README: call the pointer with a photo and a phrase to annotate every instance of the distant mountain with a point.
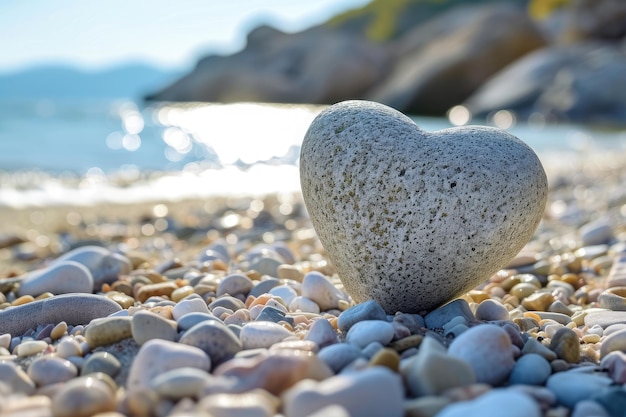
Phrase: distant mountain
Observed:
(128, 81)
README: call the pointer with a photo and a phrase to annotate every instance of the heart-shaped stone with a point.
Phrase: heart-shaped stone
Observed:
(414, 219)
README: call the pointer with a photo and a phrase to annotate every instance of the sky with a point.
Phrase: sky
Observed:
(171, 34)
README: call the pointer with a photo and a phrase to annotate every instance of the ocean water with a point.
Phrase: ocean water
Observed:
(91, 151)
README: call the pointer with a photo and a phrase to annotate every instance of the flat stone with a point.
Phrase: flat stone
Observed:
(615, 364)
(60, 278)
(613, 342)
(533, 346)
(603, 318)
(213, 338)
(385, 196)
(488, 350)
(247, 404)
(158, 356)
(304, 304)
(146, 325)
(74, 309)
(285, 292)
(234, 284)
(375, 391)
(191, 319)
(368, 310)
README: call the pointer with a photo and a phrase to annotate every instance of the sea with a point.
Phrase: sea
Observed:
(88, 151)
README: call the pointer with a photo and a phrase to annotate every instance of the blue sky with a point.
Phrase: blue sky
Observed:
(167, 33)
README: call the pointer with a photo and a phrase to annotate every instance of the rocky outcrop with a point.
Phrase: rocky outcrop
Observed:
(426, 57)
(582, 82)
(314, 66)
(439, 64)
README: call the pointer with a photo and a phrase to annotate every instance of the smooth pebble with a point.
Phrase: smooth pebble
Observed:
(365, 332)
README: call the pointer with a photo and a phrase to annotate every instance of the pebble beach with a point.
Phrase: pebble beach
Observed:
(230, 307)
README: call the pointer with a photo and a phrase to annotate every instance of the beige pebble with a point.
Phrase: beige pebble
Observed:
(83, 397)
(30, 347)
(58, 331)
(386, 357)
(257, 403)
(125, 301)
(566, 345)
(182, 292)
(25, 299)
(406, 343)
(146, 325)
(68, 346)
(538, 301)
(18, 406)
(5, 340)
(286, 271)
(152, 290)
(591, 338)
(108, 330)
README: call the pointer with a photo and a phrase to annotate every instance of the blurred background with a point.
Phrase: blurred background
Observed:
(124, 101)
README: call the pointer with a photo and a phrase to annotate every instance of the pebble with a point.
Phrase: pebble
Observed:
(365, 332)
(438, 318)
(374, 391)
(615, 364)
(58, 331)
(493, 403)
(589, 408)
(189, 305)
(146, 325)
(180, 382)
(431, 372)
(273, 372)
(213, 338)
(613, 400)
(318, 288)
(566, 345)
(596, 232)
(189, 320)
(104, 362)
(613, 299)
(386, 357)
(491, 310)
(322, 333)
(30, 347)
(234, 285)
(488, 350)
(285, 292)
(105, 266)
(158, 356)
(304, 304)
(60, 278)
(604, 318)
(46, 370)
(249, 404)
(571, 387)
(338, 356)
(83, 397)
(16, 378)
(533, 346)
(368, 310)
(73, 309)
(530, 369)
(108, 330)
(262, 334)
(613, 342)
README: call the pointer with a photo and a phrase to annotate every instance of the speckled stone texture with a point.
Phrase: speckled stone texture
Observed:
(413, 219)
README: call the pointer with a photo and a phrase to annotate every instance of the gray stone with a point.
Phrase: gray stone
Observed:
(191, 319)
(46, 370)
(339, 355)
(438, 318)
(101, 362)
(572, 387)
(74, 309)
(368, 310)
(488, 350)
(105, 266)
(603, 318)
(490, 310)
(322, 333)
(60, 278)
(431, 372)
(264, 286)
(234, 284)
(494, 403)
(530, 369)
(214, 338)
(368, 331)
(262, 334)
(385, 196)
(146, 325)
(274, 315)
